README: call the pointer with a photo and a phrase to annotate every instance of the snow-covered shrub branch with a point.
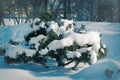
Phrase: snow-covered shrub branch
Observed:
(47, 39)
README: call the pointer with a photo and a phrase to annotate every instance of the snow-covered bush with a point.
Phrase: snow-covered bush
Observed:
(37, 40)
(62, 42)
(102, 51)
(66, 26)
(45, 16)
(52, 25)
(92, 55)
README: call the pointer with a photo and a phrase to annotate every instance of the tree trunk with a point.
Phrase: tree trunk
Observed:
(45, 5)
(2, 17)
(36, 7)
(91, 10)
(119, 11)
(69, 9)
(79, 9)
(65, 9)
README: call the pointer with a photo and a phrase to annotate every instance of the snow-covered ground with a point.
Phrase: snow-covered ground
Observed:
(107, 68)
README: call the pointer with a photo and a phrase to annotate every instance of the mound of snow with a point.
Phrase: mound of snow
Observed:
(103, 70)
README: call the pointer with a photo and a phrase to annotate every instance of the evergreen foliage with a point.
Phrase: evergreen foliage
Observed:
(46, 16)
(59, 54)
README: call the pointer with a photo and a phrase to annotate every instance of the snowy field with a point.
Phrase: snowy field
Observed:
(107, 68)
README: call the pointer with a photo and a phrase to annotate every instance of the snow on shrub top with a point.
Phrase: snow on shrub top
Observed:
(80, 39)
(67, 25)
(14, 51)
(57, 44)
(103, 46)
(88, 38)
(36, 24)
(20, 31)
(73, 54)
(93, 56)
(102, 50)
(83, 50)
(52, 26)
(43, 51)
(92, 38)
(96, 47)
(36, 40)
(66, 22)
(42, 24)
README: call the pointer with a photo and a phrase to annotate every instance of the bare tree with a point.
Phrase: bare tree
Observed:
(55, 11)
(2, 13)
(119, 11)
(79, 9)
(1, 16)
(36, 7)
(105, 11)
(65, 9)
(45, 5)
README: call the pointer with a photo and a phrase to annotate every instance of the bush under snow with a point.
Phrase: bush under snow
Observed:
(46, 39)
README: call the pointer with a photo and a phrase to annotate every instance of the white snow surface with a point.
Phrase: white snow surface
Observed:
(73, 54)
(43, 51)
(102, 50)
(53, 26)
(42, 24)
(19, 33)
(88, 38)
(66, 27)
(104, 46)
(81, 39)
(34, 26)
(13, 51)
(84, 50)
(57, 44)
(96, 47)
(66, 22)
(93, 56)
(37, 40)
(105, 69)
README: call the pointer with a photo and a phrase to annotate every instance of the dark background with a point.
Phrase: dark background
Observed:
(78, 10)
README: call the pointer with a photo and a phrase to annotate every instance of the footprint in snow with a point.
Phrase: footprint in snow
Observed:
(109, 73)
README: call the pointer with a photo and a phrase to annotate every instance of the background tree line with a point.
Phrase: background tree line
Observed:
(22, 11)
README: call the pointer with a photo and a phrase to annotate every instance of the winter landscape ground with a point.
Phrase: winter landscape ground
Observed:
(107, 68)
